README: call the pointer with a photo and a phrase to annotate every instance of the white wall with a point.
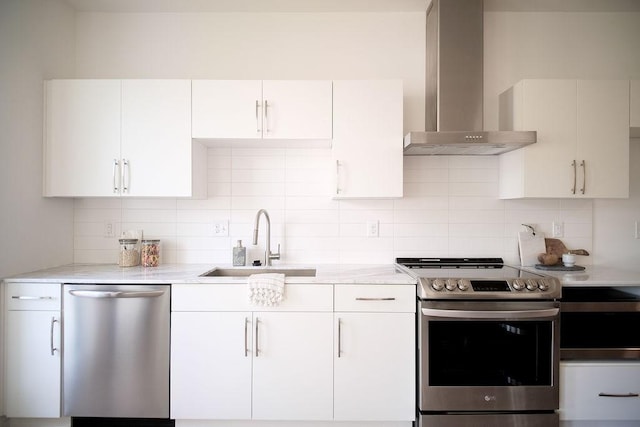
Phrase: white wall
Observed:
(450, 206)
(37, 39)
(36, 42)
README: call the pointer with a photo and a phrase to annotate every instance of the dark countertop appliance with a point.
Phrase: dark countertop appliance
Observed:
(488, 343)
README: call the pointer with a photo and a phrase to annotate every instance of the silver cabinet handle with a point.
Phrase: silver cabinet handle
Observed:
(339, 337)
(116, 294)
(30, 298)
(573, 190)
(257, 116)
(116, 173)
(338, 189)
(126, 176)
(492, 314)
(266, 116)
(375, 299)
(53, 349)
(257, 347)
(618, 395)
(583, 164)
(246, 337)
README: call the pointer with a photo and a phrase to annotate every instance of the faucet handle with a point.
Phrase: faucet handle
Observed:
(276, 255)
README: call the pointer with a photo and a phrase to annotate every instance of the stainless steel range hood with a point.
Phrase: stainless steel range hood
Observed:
(454, 82)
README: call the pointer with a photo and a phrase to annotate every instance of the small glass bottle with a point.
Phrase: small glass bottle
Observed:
(129, 256)
(239, 255)
(150, 253)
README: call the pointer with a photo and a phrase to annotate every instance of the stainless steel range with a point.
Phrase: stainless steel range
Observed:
(488, 343)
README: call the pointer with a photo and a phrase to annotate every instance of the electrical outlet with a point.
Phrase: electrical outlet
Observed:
(372, 229)
(109, 229)
(558, 229)
(221, 229)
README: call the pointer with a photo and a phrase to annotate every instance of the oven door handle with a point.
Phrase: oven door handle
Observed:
(492, 314)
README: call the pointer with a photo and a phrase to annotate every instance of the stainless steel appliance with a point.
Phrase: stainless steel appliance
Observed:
(488, 343)
(595, 324)
(454, 87)
(116, 351)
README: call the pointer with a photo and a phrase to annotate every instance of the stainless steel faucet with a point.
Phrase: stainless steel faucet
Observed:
(268, 256)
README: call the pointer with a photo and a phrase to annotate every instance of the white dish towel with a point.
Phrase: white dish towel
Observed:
(266, 289)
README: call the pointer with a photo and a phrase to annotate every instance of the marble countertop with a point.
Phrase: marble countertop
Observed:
(595, 275)
(190, 273)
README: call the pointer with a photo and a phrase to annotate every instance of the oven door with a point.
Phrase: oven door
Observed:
(488, 356)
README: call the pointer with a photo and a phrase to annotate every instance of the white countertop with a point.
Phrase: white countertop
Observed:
(190, 273)
(595, 275)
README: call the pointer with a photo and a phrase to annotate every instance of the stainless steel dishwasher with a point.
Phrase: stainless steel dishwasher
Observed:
(116, 350)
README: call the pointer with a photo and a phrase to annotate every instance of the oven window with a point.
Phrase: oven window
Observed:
(490, 353)
(599, 330)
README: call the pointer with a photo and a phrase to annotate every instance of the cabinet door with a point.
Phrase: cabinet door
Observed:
(543, 169)
(367, 138)
(600, 391)
(156, 138)
(227, 109)
(603, 138)
(293, 366)
(374, 366)
(210, 365)
(32, 369)
(296, 109)
(82, 138)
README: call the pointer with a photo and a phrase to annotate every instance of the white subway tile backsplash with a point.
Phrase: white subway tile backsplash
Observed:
(450, 208)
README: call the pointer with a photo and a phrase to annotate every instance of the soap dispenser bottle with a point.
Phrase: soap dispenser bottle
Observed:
(239, 255)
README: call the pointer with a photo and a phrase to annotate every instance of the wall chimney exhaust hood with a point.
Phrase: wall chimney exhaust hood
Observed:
(454, 82)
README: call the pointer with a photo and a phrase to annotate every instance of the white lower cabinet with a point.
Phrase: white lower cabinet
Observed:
(309, 359)
(292, 366)
(374, 364)
(600, 391)
(211, 365)
(32, 350)
(229, 361)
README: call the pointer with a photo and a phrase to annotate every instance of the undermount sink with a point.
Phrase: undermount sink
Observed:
(248, 271)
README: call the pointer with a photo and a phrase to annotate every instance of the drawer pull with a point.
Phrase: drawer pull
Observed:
(618, 395)
(375, 299)
(29, 298)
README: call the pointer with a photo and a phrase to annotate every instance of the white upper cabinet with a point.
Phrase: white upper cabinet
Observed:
(635, 109)
(367, 138)
(121, 138)
(582, 148)
(156, 148)
(255, 109)
(82, 137)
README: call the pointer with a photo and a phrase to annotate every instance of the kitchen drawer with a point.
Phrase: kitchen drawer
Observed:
(376, 298)
(33, 296)
(226, 297)
(581, 386)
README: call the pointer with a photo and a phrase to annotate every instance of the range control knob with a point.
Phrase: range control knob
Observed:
(452, 284)
(543, 285)
(532, 284)
(463, 284)
(437, 285)
(518, 284)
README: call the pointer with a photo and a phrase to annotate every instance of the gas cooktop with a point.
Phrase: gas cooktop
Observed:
(477, 278)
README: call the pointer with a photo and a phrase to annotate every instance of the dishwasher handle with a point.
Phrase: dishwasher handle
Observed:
(116, 294)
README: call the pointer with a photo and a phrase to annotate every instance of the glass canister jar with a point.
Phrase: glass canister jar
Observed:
(129, 255)
(150, 253)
